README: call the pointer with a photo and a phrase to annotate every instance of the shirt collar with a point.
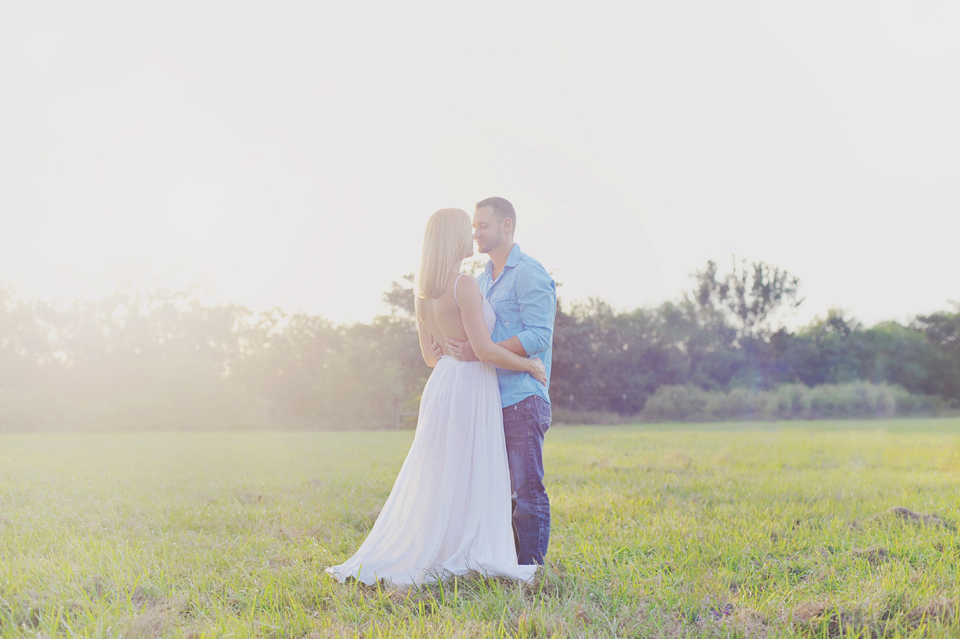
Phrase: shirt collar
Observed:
(512, 260)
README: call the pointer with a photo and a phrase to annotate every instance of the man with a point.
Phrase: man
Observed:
(524, 297)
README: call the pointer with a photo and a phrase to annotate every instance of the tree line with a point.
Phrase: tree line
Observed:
(159, 359)
(726, 333)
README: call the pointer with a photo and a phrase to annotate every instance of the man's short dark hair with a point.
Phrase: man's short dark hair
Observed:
(501, 208)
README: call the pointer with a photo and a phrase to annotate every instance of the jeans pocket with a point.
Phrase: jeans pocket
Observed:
(544, 424)
(544, 415)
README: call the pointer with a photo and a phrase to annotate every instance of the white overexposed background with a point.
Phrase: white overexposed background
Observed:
(289, 153)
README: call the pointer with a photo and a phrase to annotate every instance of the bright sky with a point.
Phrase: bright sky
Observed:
(290, 153)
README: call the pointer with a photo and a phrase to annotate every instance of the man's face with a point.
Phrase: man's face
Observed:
(487, 229)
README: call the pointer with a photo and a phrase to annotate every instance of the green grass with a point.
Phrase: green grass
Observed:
(669, 530)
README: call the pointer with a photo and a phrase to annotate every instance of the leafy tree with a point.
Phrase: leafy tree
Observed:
(400, 298)
(942, 330)
(750, 297)
(899, 355)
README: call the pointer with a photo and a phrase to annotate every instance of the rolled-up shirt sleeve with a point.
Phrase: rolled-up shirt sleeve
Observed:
(537, 298)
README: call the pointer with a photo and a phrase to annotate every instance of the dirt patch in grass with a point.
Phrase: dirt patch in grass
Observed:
(33, 609)
(727, 621)
(900, 513)
(825, 619)
(139, 597)
(251, 498)
(941, 611)
(874, 554)
(911, 515)
(581, 615)
(157, 615)
(749, 623)
(98, 587)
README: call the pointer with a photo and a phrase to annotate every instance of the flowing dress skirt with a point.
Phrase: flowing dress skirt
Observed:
(450, 510)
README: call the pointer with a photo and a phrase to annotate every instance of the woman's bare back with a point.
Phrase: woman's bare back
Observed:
(441, 315)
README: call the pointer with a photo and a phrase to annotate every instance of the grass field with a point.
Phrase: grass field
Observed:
(671, 530)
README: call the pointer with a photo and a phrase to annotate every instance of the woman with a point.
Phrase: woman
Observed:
(449, 510)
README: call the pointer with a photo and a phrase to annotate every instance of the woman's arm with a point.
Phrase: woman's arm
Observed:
(426, 339)
(471, 314)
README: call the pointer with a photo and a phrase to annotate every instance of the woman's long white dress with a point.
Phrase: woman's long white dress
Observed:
(449, 511)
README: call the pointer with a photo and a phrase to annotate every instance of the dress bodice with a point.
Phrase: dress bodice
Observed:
(489, 316)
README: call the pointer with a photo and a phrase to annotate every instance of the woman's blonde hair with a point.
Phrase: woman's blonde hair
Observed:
(446, 243)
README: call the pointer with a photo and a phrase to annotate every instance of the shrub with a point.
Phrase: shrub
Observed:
(861, 400)
(676, 403)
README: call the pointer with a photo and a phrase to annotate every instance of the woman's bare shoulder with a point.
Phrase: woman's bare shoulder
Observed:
(467, 284)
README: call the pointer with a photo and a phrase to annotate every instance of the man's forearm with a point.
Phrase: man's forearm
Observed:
(514, 346)
(535, 340)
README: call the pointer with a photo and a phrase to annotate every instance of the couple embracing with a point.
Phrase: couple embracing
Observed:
(470, 494)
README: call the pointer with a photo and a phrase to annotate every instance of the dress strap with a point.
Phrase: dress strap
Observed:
(455, 289)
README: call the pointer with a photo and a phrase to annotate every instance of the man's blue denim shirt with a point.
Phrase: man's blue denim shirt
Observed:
(524, 298)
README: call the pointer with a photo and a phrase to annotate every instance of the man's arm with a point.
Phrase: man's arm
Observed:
(463, 351)
(537, 298)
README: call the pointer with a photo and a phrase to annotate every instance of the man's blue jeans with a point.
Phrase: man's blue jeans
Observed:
(524, 425)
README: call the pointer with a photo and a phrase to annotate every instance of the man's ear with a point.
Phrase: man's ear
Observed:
(508, 225)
